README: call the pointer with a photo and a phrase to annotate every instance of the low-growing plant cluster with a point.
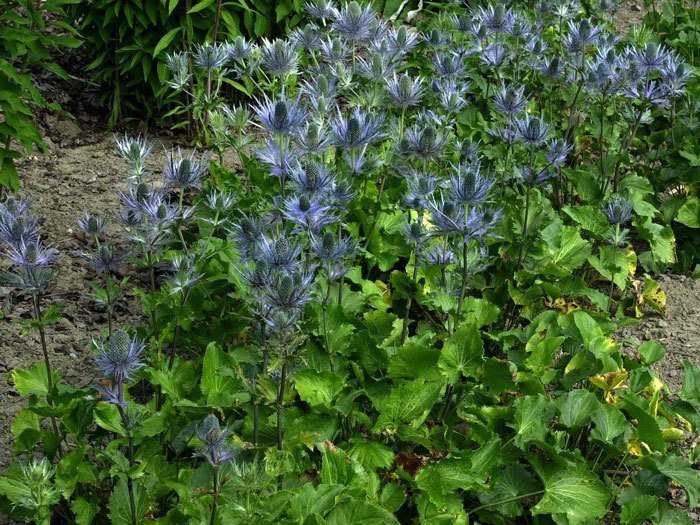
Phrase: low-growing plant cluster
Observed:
(400, 307)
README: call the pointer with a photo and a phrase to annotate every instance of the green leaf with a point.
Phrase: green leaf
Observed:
(576, 408)
(651, 352)
(532, 417)
(660, 239)
(165, 41)
(462, 354)
(310, 500)
(85, 511)
(409, 403)
(639, 509)
(514, 483)
(412, 361)
(107, 416)
(609, 423)
(689, 213)
(690, 391)
(119, 505)
(33, 381)
(359, 512)
(200, 5)
(576, 492)
(442, 478)
(371, 454)
(219, 389)
(590, 218)
(318, 388)
(678, 469)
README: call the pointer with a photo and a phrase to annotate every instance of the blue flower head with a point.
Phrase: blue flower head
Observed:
(120, 359)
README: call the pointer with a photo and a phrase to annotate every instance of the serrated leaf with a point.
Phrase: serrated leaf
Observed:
(462, 354)
(532, 417)
(576, 492)
(318, 388)
(408, 403)
(689, 213)
(639, 509)
(371, 454)
(120, 507)
(690, 391)
(33, 381)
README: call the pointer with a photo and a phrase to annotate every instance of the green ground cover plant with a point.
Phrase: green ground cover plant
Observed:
(401, 308)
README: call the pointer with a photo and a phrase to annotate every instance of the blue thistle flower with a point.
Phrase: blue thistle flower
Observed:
(120, 359)
(414, 233)
(435, 37)
(279, 161)
(307, 211)
(468, 186)
(279, 57)
(105, 259)
(424, 141)
(552, 68)
(557, 151)
(245, 235)
(333, 49)
(448, 64)
(438, 255)
(30, 253)
(92, 224)
(402, 40)
(214, 442)
(290, 291)
(311, 179)
(532, 130)
(184, 275)
(280, 253)
(496, 18)
(184, 172)
(16, 225)
(403, 91)
(377, 67)
(357, 130)
(280, 116)
(649, 58)
(177, 63)
(675, 75)
(580, 36)
(239, 49)
(210, 57)
(618, 210)
(134, 151)
(320, 9)
(452, 94)
(652, 92)
(493, 54)
(420, 186)
(312, 139)
(510, 101)
(331, 251)
(354, 22)
(307, 37)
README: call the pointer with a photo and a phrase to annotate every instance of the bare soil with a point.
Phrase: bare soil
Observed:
(81, 172)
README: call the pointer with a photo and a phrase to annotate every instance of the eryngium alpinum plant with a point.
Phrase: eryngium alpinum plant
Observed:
(400, 308)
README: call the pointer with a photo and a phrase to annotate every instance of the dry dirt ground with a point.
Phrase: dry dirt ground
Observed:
(83, 175)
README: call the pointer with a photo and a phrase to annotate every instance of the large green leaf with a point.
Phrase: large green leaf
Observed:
(532, 417)
(691, 383)
(371, 454)
(408, 403)
(576, 492)
(678, 469)
(440, 479)
(318, 388)
(609, 423)
(120, 506)
(576, 408)
(463, 354)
